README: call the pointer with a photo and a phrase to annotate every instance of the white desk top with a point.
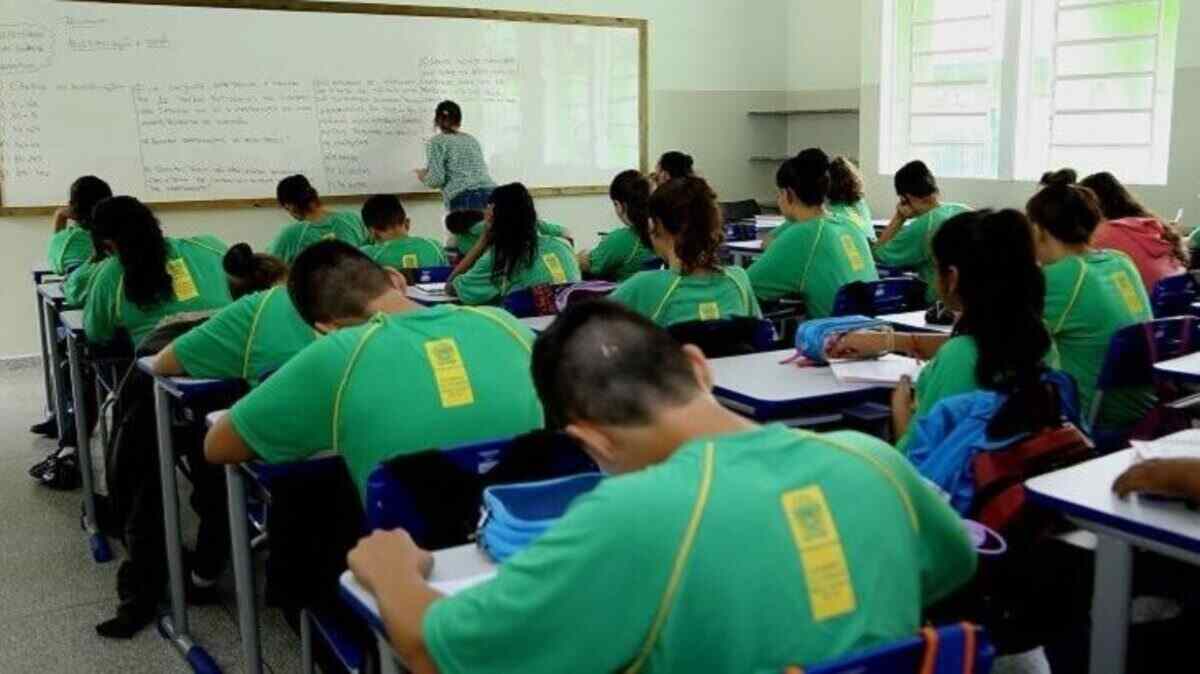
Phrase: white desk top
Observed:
(763, 377)
(1084, 493)
(454, 570)
(539, 323)
(418, 295)
(72, 320)
(746, 246)
(916, 319)
(1185, 366)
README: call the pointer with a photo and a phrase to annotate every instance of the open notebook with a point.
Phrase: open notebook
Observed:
(453, 587)
(886, 371)
(1179, 446)
(432, 288)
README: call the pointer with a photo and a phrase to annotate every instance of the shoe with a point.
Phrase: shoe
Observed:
(128, 622)
(199, 591)
(36, 470)
(48, 428)
(62, 474)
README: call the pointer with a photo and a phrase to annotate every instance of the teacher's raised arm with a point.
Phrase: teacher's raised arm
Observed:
(455, 163)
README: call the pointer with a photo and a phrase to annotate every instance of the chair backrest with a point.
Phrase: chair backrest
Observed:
(436, 495)
(745, 209)
(1133, 351)
(1174, 295)
(957, 649)
(728, 337)
(879, 298)
(654, 264)
(531, 302)
(427, 274)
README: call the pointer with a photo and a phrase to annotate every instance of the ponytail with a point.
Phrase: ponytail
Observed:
(687, 209)
(133, 230)
(632, 190)
(806, 175)
(250, 272)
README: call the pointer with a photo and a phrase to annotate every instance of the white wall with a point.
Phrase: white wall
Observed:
(710, 62)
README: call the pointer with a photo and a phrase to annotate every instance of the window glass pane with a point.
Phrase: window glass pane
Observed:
(926, 10)
(1116, 93)
(1124, 57)
(947, 129)
(952, 99)
(1132, 164)
(1135, 18)
(959, 161)
(953, 36)
(964, 67)
(1103, 129)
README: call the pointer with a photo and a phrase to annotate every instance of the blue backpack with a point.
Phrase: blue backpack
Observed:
(515, 515)
(812, 337)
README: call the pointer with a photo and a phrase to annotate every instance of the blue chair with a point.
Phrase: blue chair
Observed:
(880, 298)
(955, 649)
(654, 264)
(428, 274)
(543, 300)
(728, 337)
(745, 230)
(1129, 363)
(746, 209)
(1174, 295)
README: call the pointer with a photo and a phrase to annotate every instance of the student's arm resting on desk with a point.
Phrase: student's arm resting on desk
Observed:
(166, 364)
(100, 313)
(870, 343)
(903, 245)
(475, 285)
(1177, 478)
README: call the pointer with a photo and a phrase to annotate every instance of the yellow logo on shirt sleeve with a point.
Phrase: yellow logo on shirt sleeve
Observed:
(182, 283)
(1127, 291)
(852, 255)
(830, 589)
(329, 237)
(410, 261)
(454, 386)
(710, 311)
(555, 266)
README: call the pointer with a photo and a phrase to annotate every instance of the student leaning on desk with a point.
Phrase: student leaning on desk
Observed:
(390, 377)
(718, 545)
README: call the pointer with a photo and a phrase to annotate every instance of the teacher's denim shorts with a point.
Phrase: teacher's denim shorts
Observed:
(471, 200)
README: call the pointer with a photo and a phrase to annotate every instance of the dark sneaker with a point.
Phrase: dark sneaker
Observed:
(62, 474)
(36, 470)
(48, 428)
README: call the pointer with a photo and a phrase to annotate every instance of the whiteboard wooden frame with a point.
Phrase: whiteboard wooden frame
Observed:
(642, 26)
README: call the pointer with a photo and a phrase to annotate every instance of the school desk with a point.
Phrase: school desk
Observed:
(1185, 369)
(1083, 494)
(761, 386)
(539, 323)
(421, 296)
(190, 394)
(42, 274)
(914, 321)
(744, 252)
(51, 303)
(454, 569)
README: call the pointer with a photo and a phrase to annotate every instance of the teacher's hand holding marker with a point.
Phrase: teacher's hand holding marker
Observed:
(456, 165)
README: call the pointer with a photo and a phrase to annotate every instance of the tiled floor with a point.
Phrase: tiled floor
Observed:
(52, 593)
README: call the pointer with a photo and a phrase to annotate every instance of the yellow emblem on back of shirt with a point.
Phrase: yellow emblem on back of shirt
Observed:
(1128, 293)
(852, 254)
(555, 266)
(182, 283)
(410, 261)
(710, 311)
(830, 588)
(454, 386)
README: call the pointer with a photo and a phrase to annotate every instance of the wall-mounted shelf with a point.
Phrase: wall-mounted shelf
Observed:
(765, 159)
(797, 113)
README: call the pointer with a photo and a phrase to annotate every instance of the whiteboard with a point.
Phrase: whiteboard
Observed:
(185, 104)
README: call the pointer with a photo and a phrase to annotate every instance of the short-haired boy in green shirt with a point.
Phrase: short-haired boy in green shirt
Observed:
(394, 247)
(717, 545)
(463, 374)
(313, 221)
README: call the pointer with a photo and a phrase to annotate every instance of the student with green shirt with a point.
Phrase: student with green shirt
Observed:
(313, 222)
(462, 374)
(468, 228)
(671, 165)
(512, 254)
(394, 248)
(248, 339)
(455, 163)
(625, 250)
(148, 278)
(685, 228)
(906, 240)
(1090, 295)
(987, 272)
(847, 197)
(817, 253)
(716, 545)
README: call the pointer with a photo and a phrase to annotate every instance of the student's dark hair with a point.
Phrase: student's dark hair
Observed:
(383, 211)
(1117, 202)
(687, 208)
(807, 175)
(1065, 176)
(460, 222)
(604, 363)
(1070, 213)
(448, 116)
(1002, 292)
(333, 280)
(514, 231)
(676, 164)
(916, 180)
(845, 182)
(249, 272)
(631, 189)
(86, 192)
(130, 226)
(298, 192)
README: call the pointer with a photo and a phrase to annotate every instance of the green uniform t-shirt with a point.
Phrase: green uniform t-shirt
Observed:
(403, 383)
(340, 225)
(410, 252)
(667, 298)
(950, 373)
(467, 241)
(554, 263)
(79, 282)
(859, 213)
(198, 284)
(619, 255)
(252, 337)
(912, 247)
(456, 164)
(813, 259)
(1088, 299)
(69, 248)
(806, 547)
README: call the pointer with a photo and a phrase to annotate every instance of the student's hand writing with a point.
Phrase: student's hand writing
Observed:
(1163, 477)
(385, 554)
(61, 216)
(858, 345)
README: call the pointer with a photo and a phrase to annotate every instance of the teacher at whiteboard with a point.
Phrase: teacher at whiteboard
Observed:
(455, 163)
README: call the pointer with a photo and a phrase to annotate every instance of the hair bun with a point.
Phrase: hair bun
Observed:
(239, 260)
(1061, 177)
(815, 159)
